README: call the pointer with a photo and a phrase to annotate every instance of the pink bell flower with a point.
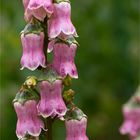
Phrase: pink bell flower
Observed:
(76, 129)
(60, 21)
(51, 103)
(33, 55)
(131, 123)
(63, 60)
(37, 8)
(28, 119)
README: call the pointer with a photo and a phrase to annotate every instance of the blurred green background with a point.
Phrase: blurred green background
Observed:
(107, 61)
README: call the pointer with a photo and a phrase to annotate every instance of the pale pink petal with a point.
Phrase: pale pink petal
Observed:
(28, 120)
(33, 55)
(51, 103)
(63, 60)
(76, 130)
(60, 21)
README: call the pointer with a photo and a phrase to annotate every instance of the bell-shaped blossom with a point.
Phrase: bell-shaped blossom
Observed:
(60, 21)
(25, 3)
(131, 125)
(51, 103)
(76, 129)
(63, 60)
(28, 119)
(37, 8)
(33, 55)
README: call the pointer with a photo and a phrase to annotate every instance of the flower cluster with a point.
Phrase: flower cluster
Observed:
(49, 30)
(131, 112)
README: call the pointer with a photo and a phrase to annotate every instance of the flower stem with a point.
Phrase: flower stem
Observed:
(49, 127)
(49, 120)
(46, 37)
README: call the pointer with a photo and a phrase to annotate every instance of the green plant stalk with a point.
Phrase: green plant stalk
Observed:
(49, 128)
(49, 119)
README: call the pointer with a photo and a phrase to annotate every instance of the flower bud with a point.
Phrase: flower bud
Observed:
(31, 82)
(67, 81)
(33, 55)
(60, 21)
(68, 95)
(51, 103)
(38, 9)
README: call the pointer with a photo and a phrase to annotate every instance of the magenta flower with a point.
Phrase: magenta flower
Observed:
(63, 60)
(28, 120)
(51, 103)
(60, 21)
(33, 55)
(76, 130)
(37, 8)
(131, 124)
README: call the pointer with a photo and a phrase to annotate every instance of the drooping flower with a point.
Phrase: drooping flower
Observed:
(63, 60)
(51, 103)
(131, 125)
(76, 123)
(28, 119)
(76, 129)
(131, 113)
(33, 55)
(60, 21)
(37, 8)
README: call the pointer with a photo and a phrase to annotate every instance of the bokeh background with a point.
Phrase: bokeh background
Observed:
(107, 60)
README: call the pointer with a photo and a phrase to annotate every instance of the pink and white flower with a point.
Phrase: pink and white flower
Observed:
(33, 55)
(51, 103)
(76, 129)
(28, 119)
(63, 60)
(60, 21)
(131, 125)
(37, 8)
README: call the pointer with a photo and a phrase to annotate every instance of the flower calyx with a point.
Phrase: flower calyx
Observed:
(75, 113)
(29, 137)
(67, 40)
(23, 95)
(33, 27)
(49, 75)
(59, 1)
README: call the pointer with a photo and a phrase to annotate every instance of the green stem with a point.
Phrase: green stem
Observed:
(46, 36)
(49, 129)
(49, 120)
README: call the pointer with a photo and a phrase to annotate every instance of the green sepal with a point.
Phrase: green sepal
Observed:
(23, 96)
(75, 114)
(59, 1)
(138, 137)
(28, 137)
(134, 101)
(132, 104)
(71, 40)
(33, 27)
(49, 75)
